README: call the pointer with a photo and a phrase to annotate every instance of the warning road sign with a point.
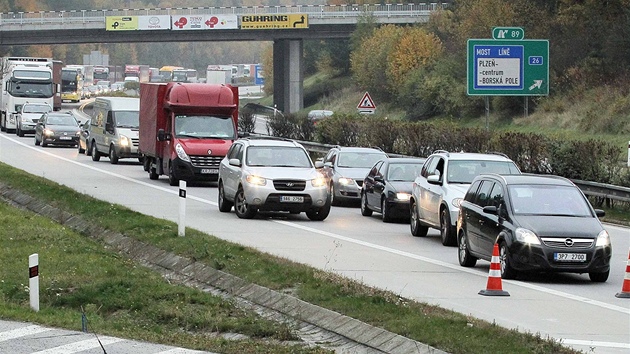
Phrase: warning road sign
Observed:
(366, 105)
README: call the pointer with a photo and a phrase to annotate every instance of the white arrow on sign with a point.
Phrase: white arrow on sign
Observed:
(537, 84)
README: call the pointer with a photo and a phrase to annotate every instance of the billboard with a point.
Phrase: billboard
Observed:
(158, 22)
(201, 22)
(121, 23)
(286, 21)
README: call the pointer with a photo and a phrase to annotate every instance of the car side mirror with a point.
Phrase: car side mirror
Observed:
(491, 209)
(319, 164)
(328, 164)
(600, 213)
(434, 179)
(235, 162)
(163, 136)
(378, 178)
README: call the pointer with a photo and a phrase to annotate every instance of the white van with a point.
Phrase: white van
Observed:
(114, 128)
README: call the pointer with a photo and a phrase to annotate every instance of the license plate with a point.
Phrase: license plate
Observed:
(569, 257)
(291, 199)
(209, 171)
(65, 137)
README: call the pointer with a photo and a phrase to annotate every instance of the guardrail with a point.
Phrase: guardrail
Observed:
(313, 11)
(595, 189)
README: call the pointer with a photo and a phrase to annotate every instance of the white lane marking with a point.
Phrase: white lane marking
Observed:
(596, 344)
(80, 346)
(362, 243)
(21, 332)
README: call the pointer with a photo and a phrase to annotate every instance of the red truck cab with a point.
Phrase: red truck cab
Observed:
(186, 129)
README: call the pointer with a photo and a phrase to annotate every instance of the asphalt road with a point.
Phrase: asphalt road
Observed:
(566, 307)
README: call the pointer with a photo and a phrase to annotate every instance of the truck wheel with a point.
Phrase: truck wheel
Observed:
(113, 158)
(95, 155)
(171, 176)
(88, 149)
(19, 132)
(153, 173)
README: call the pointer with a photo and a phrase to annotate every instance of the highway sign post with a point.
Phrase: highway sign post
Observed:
(508, 67)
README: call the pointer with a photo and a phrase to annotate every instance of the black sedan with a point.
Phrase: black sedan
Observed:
(541, 224)
(58, 129)
(387, 187)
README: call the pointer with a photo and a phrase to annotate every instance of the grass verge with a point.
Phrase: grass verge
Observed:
(125, 300)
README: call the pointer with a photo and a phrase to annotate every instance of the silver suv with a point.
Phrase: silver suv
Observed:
(263, 174)
(442, 184)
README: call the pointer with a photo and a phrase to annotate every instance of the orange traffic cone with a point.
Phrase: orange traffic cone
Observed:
(494, 287)
(625, 288)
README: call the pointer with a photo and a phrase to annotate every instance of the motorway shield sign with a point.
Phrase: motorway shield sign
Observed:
(515, 33)
(508, 68)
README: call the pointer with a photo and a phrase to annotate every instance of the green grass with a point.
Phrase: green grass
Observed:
(126, 300)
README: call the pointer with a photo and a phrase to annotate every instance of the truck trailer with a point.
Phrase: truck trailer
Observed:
(26, 79)
(186, 129)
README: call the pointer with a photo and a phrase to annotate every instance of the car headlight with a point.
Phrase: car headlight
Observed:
(48, 132)
(526, 236)
(345, 181)
(181, 153)
(124, 141)
(256, 180)
(603, 239)
(318, 182)
(403, 196)
(457, 202)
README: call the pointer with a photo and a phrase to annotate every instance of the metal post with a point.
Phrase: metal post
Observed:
(526, 106)
(33, 280)
(181, 226)
(487, 112)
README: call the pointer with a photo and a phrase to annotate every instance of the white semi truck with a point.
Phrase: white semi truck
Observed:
(24, 79)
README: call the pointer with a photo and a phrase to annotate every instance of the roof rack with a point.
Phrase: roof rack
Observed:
(498, 153)
(441, 152)
(268, 137)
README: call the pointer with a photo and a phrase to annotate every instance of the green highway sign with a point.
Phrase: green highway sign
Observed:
(508, 33)
(507, 67)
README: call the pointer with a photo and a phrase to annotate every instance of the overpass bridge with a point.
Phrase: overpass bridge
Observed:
(321, 22)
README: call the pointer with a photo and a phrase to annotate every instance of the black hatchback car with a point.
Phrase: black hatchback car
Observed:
(541, 223)
(57, 129)
(387, 187)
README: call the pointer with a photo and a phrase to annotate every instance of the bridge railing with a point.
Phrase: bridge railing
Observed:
(314, 11)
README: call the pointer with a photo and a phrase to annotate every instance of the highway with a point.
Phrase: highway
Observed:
(567, 307)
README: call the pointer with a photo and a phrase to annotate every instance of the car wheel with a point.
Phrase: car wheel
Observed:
(19, 132)
(242, 209)
(417, 229)
(36, 141)
(44, 144)
(599, 277)
(365, 211)
(171, 176)
(320, 214)
(385, 213)
(507, 272)
(95, 155)
(224, 204)
(446, 230)
(88, 149)
(465, 258)
(333, 200)
(81, 150)
(113, 158)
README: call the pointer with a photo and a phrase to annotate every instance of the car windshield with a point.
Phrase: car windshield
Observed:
(36, 109)
(359, 159)
(203, 127)
(464, 171)
(62, 120)
(404, 172)
(127, 119)
(278, 156)
(548, 200)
